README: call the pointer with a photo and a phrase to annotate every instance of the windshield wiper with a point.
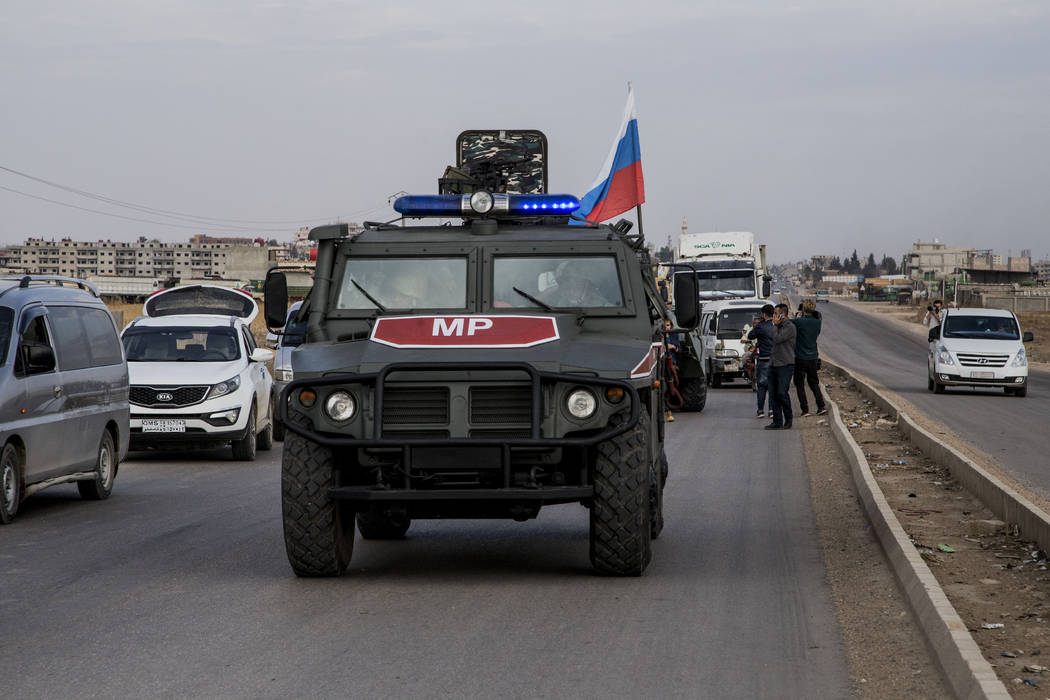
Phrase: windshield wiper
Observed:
(534, 300)
(368, 296)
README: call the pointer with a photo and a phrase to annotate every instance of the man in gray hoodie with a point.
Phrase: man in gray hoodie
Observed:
(782, 370)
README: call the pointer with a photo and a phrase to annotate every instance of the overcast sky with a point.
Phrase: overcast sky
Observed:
(821, 125)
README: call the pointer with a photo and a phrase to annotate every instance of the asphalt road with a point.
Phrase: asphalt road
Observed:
(178, 586)
(1012, 430)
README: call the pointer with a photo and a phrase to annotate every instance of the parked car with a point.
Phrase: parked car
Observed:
(198, 380)
(63, 390)
(290, 337)
(978, 347)
(721, 327)
(824, 296)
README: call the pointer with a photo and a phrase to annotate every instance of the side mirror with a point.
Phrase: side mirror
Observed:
(275, 297)
(1027, 337)
(934, 334)
(766, 289)
(38, 359)
(685, 300)
(261, 355)
(712, 324)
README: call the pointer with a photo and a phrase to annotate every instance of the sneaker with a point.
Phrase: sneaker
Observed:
(669, 416)
(787, 424)
(775, 426)
(760, 415)
(822, 411)
(804, 414)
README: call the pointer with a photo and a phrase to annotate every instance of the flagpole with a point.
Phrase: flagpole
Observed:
(638, 207)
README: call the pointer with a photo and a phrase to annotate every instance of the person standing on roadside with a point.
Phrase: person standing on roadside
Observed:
(932, 319)
(783, 367)
(807, 328)
(762, 333)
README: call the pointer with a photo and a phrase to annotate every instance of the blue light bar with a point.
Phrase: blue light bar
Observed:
(450, 205)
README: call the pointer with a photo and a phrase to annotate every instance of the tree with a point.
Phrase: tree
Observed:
(835, 264)
(852, 264)
(870, 269)
(889, 265)
(665, 254)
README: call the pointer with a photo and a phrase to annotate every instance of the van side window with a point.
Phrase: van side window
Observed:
(84, 337)
(7, 322)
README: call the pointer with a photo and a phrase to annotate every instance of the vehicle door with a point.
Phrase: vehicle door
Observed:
(42, 413)
(934, 335)
(91, 360)
(259, 377)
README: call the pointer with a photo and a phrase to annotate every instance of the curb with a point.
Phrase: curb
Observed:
(967, 671)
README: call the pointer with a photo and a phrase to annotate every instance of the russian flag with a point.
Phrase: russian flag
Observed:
(619, 185)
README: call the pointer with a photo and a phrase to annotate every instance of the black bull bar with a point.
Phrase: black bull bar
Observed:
(379, 379)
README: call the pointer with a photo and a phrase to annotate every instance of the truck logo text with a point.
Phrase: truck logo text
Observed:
(464, 331)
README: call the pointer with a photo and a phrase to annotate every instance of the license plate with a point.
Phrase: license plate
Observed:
(163, 425)
(982, 375)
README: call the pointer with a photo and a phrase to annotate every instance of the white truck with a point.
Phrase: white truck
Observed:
(728, 265)
(129, 289)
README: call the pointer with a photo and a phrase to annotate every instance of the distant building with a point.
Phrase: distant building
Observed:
(935, 261)
(1042, 270)
(234, 261)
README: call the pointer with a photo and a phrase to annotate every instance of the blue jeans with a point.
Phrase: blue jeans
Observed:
(779, 397)
(762, 377)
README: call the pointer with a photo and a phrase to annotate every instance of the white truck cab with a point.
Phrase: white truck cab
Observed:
(722, 325)
(978, 348)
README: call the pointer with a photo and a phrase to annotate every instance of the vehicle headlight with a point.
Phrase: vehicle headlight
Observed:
(581, 403)
(283, 375)
(1020, 359)
(340, 406)
(943, 356)
(227, 387)
(727, 353)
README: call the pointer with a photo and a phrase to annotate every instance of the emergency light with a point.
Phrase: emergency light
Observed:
(482, 203)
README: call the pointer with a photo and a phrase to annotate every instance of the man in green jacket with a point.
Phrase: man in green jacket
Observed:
(807, 328)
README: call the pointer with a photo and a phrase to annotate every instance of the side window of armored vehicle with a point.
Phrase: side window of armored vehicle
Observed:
(403, 284)
(83, 337)
(7, 320)
(591, 281)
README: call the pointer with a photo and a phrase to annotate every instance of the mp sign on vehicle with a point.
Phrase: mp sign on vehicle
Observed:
(499, 331)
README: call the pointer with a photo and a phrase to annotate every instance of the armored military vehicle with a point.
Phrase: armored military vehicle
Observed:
(483, 367)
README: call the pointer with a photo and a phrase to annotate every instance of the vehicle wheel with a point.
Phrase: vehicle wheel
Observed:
(656, 501)
(754, 380)
(694, 394)
(620, 525)
(378, 526)
(318, 532)
(99, 488)
(665, 471)
(244, 449)
(716, 380)
(1021, 391)
(10, 483)
(265, 440)
(929, 382)
(278, 429)
(938, 388)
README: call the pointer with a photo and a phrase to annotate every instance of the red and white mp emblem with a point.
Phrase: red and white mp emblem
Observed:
(497, 331)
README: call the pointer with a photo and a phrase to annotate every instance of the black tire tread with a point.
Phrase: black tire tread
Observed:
(94, 489)
(694, 395)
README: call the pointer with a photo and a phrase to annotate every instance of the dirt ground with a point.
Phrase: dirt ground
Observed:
(998, 583)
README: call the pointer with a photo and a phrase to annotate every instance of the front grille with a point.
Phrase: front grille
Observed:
(501, 433)
(415, 405)
(155, 396)
(967, 359)
(506, 403)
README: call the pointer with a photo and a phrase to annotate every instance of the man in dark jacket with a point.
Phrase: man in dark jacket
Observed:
(807, 329)
(763, 333)
(783, 367)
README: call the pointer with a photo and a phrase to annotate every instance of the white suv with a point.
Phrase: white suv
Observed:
(978, 347)
(197, 377)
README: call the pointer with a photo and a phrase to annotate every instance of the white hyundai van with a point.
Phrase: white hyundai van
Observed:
(197, 377)
(978, 347)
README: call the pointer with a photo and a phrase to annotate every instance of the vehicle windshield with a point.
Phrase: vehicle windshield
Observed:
(217, 344)
(576, 282)
(7, 318)
(731, 322)
(990, 327)
(403, 284)
(294, 331)
(713, 284)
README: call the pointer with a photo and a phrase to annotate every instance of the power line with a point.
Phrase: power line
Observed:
(190, 218)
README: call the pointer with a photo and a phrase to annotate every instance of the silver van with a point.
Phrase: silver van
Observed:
(63, 390)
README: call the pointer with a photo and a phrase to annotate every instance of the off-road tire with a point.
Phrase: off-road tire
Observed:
(656, 501)
(665, 470)
(99, 488)
(10, 483)
(264, 441)
(278, 429)
(620, 525)
(376, 526)
(318, 532)
(244, 449)
(694, 394)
